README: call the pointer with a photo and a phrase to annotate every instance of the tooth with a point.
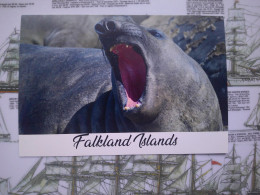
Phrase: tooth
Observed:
(126, 108)
(138, 105)
(111, 48)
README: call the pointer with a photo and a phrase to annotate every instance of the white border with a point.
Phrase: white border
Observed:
(63, 145)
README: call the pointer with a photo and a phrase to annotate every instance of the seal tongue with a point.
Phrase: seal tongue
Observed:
(133, 73)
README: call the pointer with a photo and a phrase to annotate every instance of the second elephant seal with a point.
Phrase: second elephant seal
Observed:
(155, 85)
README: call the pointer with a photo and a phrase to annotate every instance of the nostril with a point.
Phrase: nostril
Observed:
(99, 29)
(110, 26)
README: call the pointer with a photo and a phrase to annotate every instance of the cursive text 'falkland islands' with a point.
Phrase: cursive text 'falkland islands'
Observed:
(142, 140)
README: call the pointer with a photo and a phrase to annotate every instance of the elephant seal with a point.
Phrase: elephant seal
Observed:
(141, 81)
(155, 85)
(54, 83)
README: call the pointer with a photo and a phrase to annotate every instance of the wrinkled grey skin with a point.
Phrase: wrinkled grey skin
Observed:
(55, 83)
(178, 95)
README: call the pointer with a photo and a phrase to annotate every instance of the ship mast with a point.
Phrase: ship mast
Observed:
(193, 172)
(253, 184)
(117, 172)
(159, 169)
(73, 174)
(253, 120)
(233, 162)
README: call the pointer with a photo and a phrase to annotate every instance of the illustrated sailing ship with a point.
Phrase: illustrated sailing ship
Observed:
(253, 168)
(143, 174)
(4, 133)
(231, 177)
(253, 120)
(244, 67)
(57, 177)
(236, 175)
(236, 37)
(140, 174)
(9, 63)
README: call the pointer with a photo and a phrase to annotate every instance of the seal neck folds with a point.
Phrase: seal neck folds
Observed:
(132, 70)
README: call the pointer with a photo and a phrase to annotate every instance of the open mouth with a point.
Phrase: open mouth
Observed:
(132, 68)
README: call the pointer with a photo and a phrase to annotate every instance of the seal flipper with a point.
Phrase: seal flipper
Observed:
(99, 114)
(81, 121)
(90, 118)
(110, 115)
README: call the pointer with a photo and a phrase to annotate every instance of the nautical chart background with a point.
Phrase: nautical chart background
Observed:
(240, 165)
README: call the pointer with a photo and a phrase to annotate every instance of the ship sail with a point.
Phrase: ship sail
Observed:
(59, 176)
(139, 174)
(212, 182)
(27, 178)
(253, 120)
(71, 173)
(3, 186)
(9, 63)
(199, 174)
(145, 174)
(38, 185)
(4, 133)
(174, 173)
(236, 37)
(114, 175)
(254, 171)
(108, 175)
(231, 178)
(104, 179)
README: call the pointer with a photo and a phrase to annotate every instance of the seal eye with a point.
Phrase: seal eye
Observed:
(156, 33)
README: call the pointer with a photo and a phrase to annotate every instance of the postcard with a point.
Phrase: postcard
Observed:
(166, 172)
(122, 81)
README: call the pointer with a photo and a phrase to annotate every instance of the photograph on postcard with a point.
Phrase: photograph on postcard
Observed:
(115, 74)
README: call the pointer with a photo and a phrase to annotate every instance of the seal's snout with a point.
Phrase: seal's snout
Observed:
(117, 25)
(106, 26)
(120, 39)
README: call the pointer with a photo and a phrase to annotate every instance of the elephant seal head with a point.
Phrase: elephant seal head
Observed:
(154, 80)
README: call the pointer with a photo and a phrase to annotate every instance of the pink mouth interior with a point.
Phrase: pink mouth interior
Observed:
(133, 72)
